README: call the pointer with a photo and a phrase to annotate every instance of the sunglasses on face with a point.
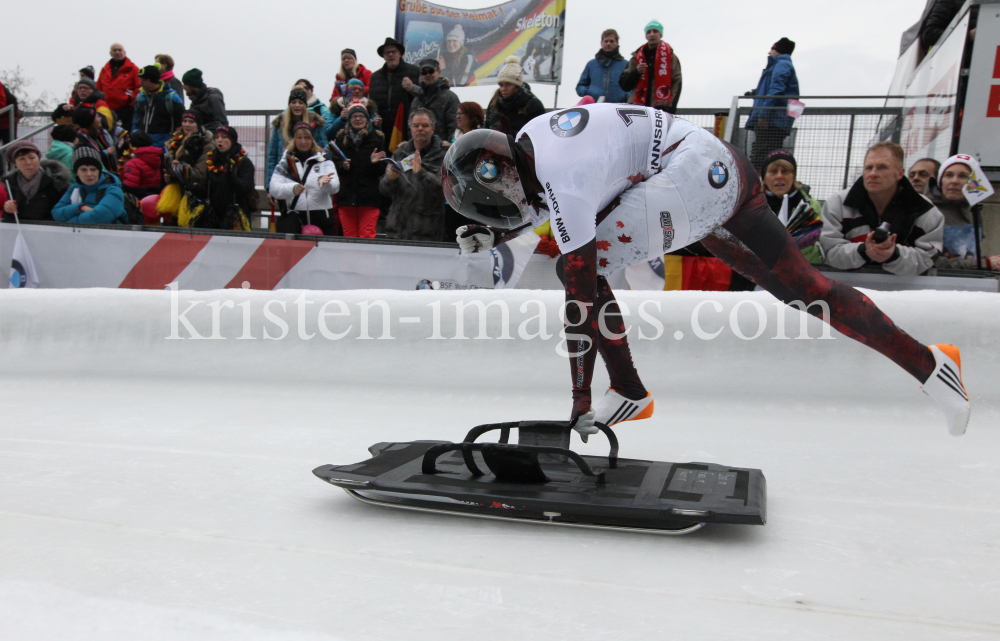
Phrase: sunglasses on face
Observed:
(427, 71)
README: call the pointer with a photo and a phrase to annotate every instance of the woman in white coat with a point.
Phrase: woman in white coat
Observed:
(305, 180)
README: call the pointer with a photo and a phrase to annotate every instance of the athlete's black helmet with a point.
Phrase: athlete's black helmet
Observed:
(481, 181)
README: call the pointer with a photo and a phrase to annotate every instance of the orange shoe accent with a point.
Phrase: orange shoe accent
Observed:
(952, 352)
(646, 413)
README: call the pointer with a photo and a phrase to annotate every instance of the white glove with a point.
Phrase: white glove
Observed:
(473, 239)
(584, 424)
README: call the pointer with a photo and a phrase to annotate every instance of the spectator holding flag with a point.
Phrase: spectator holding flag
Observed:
(349, 69)
(954, 177)
(34, 186)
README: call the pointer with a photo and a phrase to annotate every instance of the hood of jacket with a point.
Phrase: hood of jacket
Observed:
(60, 173)
(104, 181)
(773, 60)
(150, 155)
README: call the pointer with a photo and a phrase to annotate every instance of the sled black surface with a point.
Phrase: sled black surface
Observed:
(541, 480)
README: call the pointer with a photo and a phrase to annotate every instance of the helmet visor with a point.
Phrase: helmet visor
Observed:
(479, 179)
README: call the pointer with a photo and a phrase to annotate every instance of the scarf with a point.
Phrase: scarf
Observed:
(662, 75)
(606, 55)
(301, 156)
(166, 75)
(217, 160)
(356, 136)
(29, 187)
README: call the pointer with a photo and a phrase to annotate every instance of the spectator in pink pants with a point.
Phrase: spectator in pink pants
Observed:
(360, 168)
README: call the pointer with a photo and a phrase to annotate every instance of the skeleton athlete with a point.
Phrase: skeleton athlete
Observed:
(621, 184)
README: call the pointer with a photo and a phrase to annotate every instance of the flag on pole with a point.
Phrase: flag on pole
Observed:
(22, 268)
(396, 139)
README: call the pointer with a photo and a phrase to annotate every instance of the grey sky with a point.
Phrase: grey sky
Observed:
(254, 50)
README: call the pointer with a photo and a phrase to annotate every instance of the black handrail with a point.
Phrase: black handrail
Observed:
(433, 453)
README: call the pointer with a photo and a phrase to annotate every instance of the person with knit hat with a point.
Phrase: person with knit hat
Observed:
(186, 170)
(84, 93)
(230, 192)
(513, 104)
(790, 201)
(281, 129)
(769, 119)
(88, 72)
(91, 134)
(390, 87)
(96, 198)
(158, 109)
(959, 244)
(207, 101)
(350, 68)
(313, 103)
(654, 73)
(601, 75)
(354, 95)
(360, 168)
(119, 81)
(457, 64)
(34, 185)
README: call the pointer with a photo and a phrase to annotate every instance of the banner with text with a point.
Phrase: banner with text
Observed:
(473, 44)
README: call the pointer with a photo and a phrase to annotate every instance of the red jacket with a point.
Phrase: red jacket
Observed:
(122, 89)
(362, 74)
(142, 171)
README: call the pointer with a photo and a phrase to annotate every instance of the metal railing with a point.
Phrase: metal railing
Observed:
(828, 142)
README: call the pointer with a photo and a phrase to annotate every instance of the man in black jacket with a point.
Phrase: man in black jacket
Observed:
(937, 20)
(434, 93)
(207, 102)
(387, 90)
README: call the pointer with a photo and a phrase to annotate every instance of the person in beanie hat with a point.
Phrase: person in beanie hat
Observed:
(313, 103)
(298, 112)
(87, 72)
(142, 173)
(390, 88)
(358, 200)
(601, 75)
(350, 68)
(790, 201)
(229, 193)
(207, 101)
(458, 64)
(434, 93)
(36, 185)
(63, 141)
(513, 104)
(229, 132)
(654, 73)
(119, 81)
(185, 173)
(97, 197)
(84, 93)
(769, 119)
(158, 108)
(92, 134)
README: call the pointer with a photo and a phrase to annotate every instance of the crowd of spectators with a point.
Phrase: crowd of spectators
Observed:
(128, 148)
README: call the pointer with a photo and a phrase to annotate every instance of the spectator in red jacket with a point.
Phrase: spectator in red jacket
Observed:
(142, 173)
(349, 68)
(119, 81)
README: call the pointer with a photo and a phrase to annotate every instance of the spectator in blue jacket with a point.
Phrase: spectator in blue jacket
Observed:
(600, 76)
(158, 108)
(769, 119)
(96, 198)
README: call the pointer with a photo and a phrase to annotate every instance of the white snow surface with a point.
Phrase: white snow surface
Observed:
(163, 489)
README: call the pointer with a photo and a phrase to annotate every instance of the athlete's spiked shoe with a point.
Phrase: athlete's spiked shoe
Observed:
(615, 408)
(946, 388)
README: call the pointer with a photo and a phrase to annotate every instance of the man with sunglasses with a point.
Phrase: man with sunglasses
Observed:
(434, 94)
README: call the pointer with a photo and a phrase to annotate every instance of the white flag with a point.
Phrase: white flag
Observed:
(22, 268)
(978, 188)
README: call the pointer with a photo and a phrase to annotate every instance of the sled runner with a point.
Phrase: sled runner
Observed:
(541, 480)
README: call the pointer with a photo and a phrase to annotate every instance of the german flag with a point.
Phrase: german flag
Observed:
(396, 139)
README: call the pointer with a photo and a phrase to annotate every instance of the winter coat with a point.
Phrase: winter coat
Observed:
(276, 148)
(55, 182)
(937, 20)
(630, 78)
(509, 115)
(234, 185)
(101, 142)
(386, 89)
(849, 215)
(96, 100)
(315, 198)
(318, 108)
(955, 212)
(417, 212)
(211, 106)
(144, 169)
(359, 184)
(175, 83)
(802, 221)
(334, 127)
(441, 101)
(62, 152)
(340, 84)
(600, 78)
(193, 156)
(777, 79)
(105, 196)
(158, 114)
(121, 89)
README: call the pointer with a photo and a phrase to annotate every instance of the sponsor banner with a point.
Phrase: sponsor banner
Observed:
(69, 257)
(473, 44)
(981, 116)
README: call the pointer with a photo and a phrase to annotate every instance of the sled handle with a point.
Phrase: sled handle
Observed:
(433, 453)
(505, 428)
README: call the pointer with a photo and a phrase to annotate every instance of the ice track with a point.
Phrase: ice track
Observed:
(162, 489)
